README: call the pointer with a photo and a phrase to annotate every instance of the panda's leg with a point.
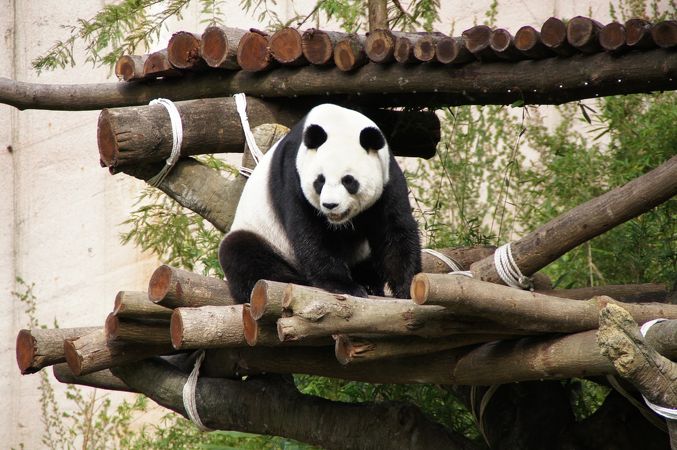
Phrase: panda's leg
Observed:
(245, 258)
(365, 273)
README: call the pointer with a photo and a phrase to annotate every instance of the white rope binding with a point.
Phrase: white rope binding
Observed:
(507, 269)
(257, 154)
(189, 401)
(453, 265)
(177, 139)
(668, 413)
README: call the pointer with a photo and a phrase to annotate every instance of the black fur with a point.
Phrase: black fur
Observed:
(372, 139)
(322, 249)
(314, 136)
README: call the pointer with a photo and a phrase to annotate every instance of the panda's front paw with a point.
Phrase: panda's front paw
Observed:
(353, 289)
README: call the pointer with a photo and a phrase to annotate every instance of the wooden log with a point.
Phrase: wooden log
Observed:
(264, 333)
(517, 309)
(452, 50)
(664, 34)
(355, 349)
(252, 52)
(91, 352)
(218, 46)
(612, 37)
(502, 43)
(349, 53)
(583, 76)
(583, 34)
(476, 40)
(183, 51)
(157, 65)
(137, 332)
(554, 37)
(425, 47)
(266, 300)
(38, 348)
(286, 47)
(638, 34)
(507, 361)
(318, 46)
(103, 379)
(380, 45)
(528, 41)
(173, 288)
(207, 327)
(137, 305)
(144, 133)
(550, 241)
(377, 12)
(318, 313)
(404, 50)
(630, 293)
(130, 67)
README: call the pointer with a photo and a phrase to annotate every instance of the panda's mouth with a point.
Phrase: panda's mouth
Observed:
(337, 218)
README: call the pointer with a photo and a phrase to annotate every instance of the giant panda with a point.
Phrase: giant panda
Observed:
(327, 207)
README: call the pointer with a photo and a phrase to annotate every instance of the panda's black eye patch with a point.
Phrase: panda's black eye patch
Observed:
(351, 184)
(314, 136)
(372, 139)
(318, 184)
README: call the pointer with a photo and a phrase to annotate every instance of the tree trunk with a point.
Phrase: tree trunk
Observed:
(103, 379)
(582, 223)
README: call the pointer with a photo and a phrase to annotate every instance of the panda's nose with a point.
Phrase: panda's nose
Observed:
(330, 205)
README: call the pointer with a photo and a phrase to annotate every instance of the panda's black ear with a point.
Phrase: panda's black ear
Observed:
(314, 136)
(372, 139)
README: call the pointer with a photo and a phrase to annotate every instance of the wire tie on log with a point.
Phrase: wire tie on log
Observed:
(668, 413)
(450, 262)
(257, 154)
(189, 401)
(507, 269)
(177, 139)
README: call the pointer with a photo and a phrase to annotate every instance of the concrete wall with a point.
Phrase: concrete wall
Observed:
(60, 212)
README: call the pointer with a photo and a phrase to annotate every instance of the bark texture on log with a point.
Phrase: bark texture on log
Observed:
(91, 353)
(38, 348)
(518, 309)
(137, 305)
(173, 288)
(631, 293)
(533, 82)
(157, 65)
(263, 405)
(148, 332)
(207, 327)
(580, 224)
(103, 379)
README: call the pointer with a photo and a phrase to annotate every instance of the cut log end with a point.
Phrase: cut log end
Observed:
(500, 40)
(160, 283)
(157, 65)
(554, 37)
(249, 325)
(258, 300)
(526, 38)
(111, 327)
(183, 50)
(73, 359)
(403, 50)
(130, 67)
(118, 307)
(638, 34)
(476, 39)
(665, 34)
(214, 46)
(424, 49)
(252, 52)
(25, 352)
(582, 33)
(176, 329)
(380, 46)
(317, 47)
(106, 140)
(285, 46)
(612, 37)
(420, 286)
(344, 57)
(342, 349)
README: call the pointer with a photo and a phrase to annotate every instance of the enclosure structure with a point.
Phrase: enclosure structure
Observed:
(455, 331)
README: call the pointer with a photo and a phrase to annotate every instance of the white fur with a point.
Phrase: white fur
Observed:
(339, 156)
(258, 215)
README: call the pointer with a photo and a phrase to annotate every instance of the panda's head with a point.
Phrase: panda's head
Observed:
(342, 162)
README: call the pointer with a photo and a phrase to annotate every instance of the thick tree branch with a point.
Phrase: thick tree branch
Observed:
(270, 405)
(549, 81)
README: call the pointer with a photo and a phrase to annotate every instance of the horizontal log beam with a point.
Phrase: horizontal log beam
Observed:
(173, 288)
(103, 379)
(38, 348)
(207, 327)
(548, 81)
(136, 305)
